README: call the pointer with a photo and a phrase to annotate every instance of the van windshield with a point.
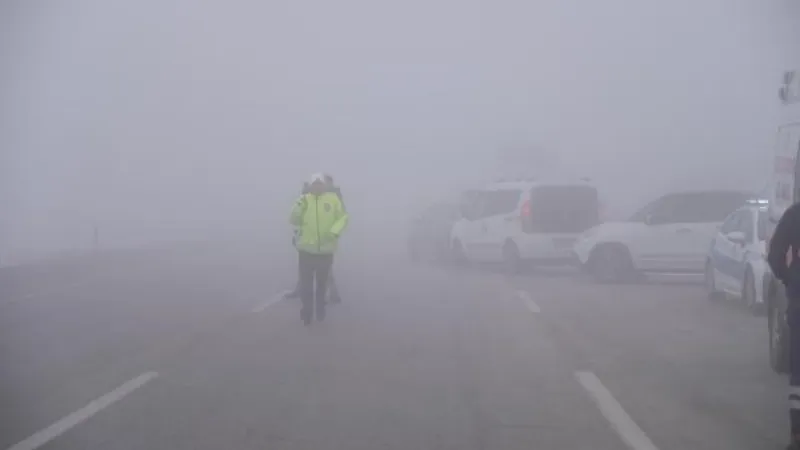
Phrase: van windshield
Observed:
(563, 209)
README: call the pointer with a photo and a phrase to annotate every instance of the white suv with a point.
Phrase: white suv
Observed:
(672, 234)
(514, 222)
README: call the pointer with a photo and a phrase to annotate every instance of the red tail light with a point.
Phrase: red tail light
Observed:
(525, 211)
(526, 217)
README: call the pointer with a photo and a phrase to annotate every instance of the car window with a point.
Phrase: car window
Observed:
(731, 224)
(655, 205)
(747, 224)
(704, 207)
(501, 202)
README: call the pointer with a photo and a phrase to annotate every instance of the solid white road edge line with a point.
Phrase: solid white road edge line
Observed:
(76, 418)
(622, 423)
(275, 299)
(529, 303)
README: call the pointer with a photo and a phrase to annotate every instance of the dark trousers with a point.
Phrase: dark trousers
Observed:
(793, 319)
(333, 290)
(314, 271)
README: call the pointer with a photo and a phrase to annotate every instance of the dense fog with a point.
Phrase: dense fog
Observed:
(167, 120)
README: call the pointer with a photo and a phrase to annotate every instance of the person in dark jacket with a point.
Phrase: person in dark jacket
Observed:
(784, 260)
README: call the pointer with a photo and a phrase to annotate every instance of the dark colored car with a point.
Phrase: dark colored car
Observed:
(429, 232)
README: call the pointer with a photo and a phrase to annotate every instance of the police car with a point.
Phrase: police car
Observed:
(524, 221)
(736, 266)
(670, 234)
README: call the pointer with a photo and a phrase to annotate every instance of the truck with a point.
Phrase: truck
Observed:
(784, 190)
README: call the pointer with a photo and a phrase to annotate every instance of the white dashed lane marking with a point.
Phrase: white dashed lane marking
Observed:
(529, 303)
(277, 298)
(76, 418)
(622, 423)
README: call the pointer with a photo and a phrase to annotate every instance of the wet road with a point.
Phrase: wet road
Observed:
(193, 349)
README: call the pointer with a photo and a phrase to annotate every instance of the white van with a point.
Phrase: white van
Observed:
(784, 190)
(524, 221)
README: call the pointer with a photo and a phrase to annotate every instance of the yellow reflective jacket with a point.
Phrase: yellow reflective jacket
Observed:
(320, 220)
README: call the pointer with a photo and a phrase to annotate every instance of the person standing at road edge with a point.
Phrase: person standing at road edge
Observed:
(784, 260)
(320, 218)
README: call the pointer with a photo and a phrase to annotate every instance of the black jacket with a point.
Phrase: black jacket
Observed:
(787, 236)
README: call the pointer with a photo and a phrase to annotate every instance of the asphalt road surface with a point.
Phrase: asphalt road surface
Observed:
(194, 349)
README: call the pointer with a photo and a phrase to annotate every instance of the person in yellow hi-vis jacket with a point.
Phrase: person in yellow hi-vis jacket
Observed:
(320, 218)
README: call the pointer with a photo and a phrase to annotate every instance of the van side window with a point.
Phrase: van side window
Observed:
(658, 206)
(501, 202)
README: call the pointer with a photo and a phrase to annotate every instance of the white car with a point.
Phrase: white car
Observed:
(736, 266)
(524, 221)
(671, 234)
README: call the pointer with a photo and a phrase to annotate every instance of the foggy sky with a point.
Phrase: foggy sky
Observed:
(175, 118)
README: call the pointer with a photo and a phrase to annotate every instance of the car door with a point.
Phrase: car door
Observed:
(727, 256)
(699, 216)
(657, 243)
(745, 250)
(499, 220)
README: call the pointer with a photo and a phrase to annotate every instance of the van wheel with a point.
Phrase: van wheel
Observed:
(711, 283)
(611, 264)
(778, 340)
(511, 258)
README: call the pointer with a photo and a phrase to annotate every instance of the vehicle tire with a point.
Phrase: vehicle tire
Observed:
(711, 283)
(749, 294)
(778, 340)
(611, 263)
(511, 259)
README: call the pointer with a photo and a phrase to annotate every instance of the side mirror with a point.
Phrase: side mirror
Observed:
(737, 237)
(655, 219)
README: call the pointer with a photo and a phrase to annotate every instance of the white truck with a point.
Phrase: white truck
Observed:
(784, 190)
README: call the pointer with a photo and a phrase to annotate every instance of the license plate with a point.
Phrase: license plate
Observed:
(563, 242)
